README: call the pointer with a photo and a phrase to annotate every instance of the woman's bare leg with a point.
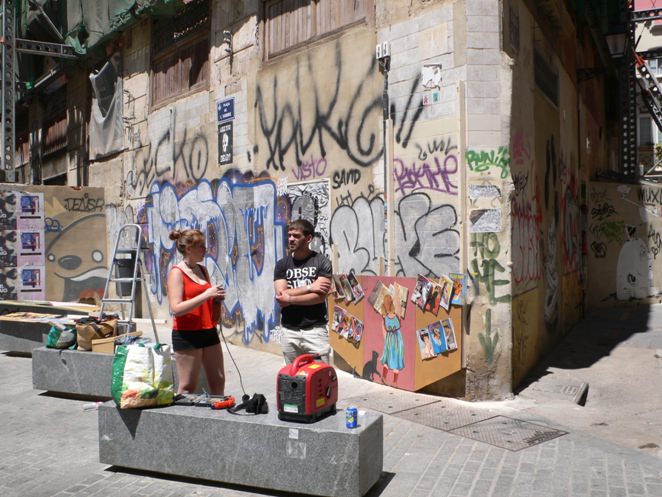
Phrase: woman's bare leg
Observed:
(212, 362)
(188, 369)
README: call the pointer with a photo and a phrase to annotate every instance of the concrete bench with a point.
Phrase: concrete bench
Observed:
(80, 372)
(22, 336)
(322, 458)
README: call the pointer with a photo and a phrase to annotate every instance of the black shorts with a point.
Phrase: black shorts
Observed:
(195, 339)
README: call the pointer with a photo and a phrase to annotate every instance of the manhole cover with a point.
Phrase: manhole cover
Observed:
(577, 392)
(508, 433)
(443, 416)
(388, 402)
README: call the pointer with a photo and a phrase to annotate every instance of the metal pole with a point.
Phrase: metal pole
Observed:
(8, 81)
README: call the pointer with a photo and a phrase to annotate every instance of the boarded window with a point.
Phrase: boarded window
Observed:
(21, 141)
(290, 23)
(180, 53)
(547, 77)
(54, 129)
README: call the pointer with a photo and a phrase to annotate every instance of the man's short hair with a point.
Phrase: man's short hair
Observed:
(303, 225)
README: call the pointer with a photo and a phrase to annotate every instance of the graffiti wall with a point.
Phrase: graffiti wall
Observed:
(174, 144)
(623, 238)
(74, 248)
(489, 248)
(244, 224)
(547, 205)
(317, 113)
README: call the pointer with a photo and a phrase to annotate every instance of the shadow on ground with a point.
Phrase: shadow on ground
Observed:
(595, 336)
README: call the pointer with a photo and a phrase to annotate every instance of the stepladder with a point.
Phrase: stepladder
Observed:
(126, 271)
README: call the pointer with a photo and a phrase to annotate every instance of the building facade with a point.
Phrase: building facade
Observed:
(425, 140)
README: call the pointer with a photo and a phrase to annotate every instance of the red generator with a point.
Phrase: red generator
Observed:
(306, 390)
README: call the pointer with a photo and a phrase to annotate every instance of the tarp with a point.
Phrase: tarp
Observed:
(106, 131)
(85, 23)
(90, 22)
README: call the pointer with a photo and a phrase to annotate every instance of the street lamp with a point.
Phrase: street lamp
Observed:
(616, 43)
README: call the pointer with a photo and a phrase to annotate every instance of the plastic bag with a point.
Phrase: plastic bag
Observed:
(142, 376)
(61, 337)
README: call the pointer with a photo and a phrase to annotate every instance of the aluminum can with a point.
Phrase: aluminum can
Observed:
(351, 417)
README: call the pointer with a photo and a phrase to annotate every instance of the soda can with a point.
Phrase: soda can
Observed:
(351, 417)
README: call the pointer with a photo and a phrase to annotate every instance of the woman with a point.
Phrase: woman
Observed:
(394, 348)
(193, 300)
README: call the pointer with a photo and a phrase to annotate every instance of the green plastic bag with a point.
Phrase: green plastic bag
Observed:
(61, 337)
(142, 376)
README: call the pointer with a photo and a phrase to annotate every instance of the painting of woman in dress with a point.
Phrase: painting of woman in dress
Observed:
(394, 350)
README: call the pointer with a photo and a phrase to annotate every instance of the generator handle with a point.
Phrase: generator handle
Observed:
(302, 360)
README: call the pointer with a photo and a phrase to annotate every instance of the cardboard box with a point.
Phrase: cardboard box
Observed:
(107, 345)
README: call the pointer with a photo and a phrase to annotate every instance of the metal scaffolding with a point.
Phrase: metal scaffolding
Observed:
(649, 88)
(10, 46)
(8, 82)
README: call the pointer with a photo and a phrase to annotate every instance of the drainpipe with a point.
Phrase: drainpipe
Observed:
(384, 59)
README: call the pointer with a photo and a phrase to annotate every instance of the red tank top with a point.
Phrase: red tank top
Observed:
(200, 317)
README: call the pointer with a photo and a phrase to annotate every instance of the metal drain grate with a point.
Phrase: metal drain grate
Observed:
(508, 433)
(388, 402)
(443, 416)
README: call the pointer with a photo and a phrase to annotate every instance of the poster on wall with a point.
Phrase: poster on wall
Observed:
(30, 277)
(30, 214)
(31, 282)
(225, 140)
(31, 247)
(8, 248)
(8, 283)
(7, 211)
(310, 200)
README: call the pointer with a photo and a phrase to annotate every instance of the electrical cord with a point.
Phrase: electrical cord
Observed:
(245, 397)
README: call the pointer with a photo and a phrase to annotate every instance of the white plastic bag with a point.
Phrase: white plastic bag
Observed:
(142, 376)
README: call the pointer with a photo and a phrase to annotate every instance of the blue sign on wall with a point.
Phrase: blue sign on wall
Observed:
(225, 110)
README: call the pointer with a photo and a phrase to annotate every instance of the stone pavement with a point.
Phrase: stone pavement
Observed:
(49, 446)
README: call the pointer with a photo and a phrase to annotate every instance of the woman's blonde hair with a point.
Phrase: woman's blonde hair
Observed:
(390, 307)
(187, 238)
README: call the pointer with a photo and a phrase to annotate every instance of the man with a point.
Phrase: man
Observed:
(301, 281)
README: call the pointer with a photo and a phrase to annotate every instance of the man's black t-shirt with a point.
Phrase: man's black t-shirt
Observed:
(300, 273)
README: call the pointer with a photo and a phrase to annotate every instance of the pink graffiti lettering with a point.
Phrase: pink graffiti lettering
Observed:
(310, 169)
(434, 174)
(521, 152)
(527, 228)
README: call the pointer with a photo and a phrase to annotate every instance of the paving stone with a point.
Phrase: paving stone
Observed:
(36, 448)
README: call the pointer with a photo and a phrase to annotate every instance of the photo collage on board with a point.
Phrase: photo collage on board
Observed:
(396, 292)
(430, 295)
(346, 287)
(347, 326)
(436, 338)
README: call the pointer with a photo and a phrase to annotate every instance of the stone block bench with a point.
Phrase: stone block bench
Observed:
(22, 336)
(322, 458)
(24, 326)
(79, 372)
